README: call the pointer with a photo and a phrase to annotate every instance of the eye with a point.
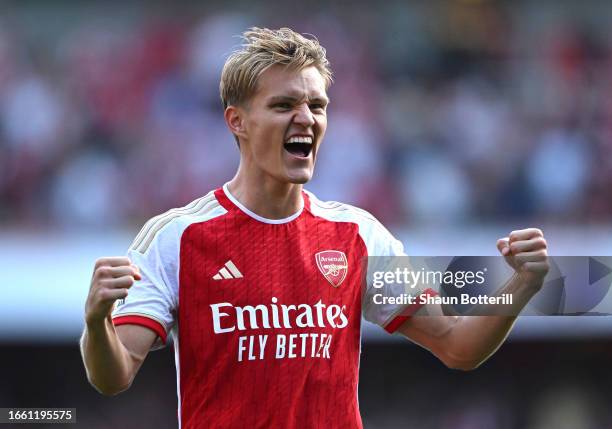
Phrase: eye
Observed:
(317, 106)
(283, 105)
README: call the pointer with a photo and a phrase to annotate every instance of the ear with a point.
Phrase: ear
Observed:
(234, 118)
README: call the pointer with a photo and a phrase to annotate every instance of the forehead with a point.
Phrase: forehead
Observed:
(278, 80)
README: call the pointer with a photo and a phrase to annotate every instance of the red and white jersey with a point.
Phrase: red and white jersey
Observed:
(265, 314)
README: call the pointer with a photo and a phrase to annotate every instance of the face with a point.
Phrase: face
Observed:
(283, 124)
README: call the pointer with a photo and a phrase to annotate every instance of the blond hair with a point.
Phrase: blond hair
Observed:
(263, 48)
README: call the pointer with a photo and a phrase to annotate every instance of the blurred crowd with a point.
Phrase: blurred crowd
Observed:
(449, 112)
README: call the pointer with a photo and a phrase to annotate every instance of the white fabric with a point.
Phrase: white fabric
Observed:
(156, 295)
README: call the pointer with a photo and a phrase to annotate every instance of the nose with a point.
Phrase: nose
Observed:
(304, 116)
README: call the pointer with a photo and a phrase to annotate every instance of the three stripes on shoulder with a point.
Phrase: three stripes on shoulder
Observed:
(197, 207)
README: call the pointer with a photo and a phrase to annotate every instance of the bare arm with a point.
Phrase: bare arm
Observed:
(112, 355)
(464, 342)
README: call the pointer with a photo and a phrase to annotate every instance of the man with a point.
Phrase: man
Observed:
(260, 282)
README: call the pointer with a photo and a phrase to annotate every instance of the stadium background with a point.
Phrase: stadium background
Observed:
(454, 122)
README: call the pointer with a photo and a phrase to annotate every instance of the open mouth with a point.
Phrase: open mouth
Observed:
(299, 146)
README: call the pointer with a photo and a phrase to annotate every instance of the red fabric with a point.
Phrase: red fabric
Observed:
(147, 322)
(310, 389)
(408, 312)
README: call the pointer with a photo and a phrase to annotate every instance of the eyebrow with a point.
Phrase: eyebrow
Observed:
(291, 99)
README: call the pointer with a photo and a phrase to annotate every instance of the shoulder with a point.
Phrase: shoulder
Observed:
(340, 212)
(168, 227)
(376, 236)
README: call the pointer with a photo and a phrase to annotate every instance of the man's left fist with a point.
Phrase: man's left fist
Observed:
(525, 251)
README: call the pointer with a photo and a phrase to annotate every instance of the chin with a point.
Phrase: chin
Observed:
(299, 179)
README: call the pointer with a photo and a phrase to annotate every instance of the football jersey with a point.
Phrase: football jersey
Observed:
(265, 314)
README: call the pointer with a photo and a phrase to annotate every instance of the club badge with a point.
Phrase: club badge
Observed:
(333, 265)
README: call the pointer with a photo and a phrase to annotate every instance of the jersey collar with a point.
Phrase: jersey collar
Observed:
(257, 217)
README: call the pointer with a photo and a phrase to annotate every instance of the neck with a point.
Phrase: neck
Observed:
(266, 196)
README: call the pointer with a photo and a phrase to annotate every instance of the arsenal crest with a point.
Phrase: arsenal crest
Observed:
(333, 265)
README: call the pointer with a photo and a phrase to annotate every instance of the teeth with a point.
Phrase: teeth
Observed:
(300, 139)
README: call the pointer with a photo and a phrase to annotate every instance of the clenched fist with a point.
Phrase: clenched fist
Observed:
(525, 251)
(112, 278)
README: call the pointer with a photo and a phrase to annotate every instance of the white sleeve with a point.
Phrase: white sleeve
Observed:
(385, 254)
(152, 301)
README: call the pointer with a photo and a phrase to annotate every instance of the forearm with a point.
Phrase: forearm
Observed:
(475, 338)
(464, 342)
(107, 361)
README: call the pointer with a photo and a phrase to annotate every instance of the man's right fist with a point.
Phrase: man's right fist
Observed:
(112, 277)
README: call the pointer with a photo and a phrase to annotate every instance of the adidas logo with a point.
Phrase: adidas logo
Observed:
(229, 271)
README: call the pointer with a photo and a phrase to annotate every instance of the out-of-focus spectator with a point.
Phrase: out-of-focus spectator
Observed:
(434, 189)
(88, 191)
(558, 171)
